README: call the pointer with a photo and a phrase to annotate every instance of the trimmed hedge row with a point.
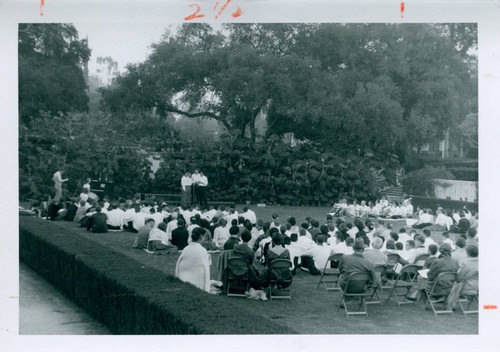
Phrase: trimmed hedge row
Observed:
(432, 203)
(127, 296)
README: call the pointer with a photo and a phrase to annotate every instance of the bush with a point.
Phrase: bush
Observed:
(126, 296)
(420, 182)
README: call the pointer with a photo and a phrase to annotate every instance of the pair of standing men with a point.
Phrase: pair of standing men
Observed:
(194, 188)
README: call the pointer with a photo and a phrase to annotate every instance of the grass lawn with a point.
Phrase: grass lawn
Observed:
(311, 311)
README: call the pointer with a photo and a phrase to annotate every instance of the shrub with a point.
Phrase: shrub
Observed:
(126, 296)
(420, 182)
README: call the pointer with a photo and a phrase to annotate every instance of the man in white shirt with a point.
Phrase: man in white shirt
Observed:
(443, 220)
(249, 215)
(138, 219)
(87, 185)
(427, 219)
(171, 226)
(186, 182)
(128, 216)
(158, 218)
(115, 217)
(202, 189)
(194, 186)
(303, 243)
(316, 258)
(428, 239)
(58, 181)
(221, 233)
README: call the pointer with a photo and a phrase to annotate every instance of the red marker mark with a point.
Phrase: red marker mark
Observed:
(237, 13)
(402, 8)
(489, 307)
(223, 8)
(216, 4)
(194, 15)
(489, 75)
(42, 2)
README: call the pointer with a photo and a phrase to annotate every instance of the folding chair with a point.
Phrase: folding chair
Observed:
(380, 272)
(420, 259)
(277, 265)
(407, 279)
(356, 287)
(329, 271)
(237, 277)
(470, 298)
(431, 295)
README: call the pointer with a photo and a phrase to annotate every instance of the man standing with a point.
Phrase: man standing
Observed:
(195, 182)
(186, 182)
(202, 188)
(58, 181)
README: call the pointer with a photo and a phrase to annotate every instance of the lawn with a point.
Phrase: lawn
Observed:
(311, 311)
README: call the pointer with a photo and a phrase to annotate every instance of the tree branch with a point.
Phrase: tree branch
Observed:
(200, 114)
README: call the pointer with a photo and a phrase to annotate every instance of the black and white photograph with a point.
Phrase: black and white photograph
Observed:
(226, 177)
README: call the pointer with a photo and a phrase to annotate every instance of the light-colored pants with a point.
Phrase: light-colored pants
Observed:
(186, 196)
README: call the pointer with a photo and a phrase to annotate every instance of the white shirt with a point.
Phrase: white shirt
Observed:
(138, 220)
(426, 218)
(340, 247)
(171, 226)
(156, 235)
(115, 217)
(320, 255)
(186, 181)
(158, 217)
(250, 216)
(428, 242)
(84, 196)
(129, 215)
(203, 181)
(221, 235)
(352, 232)
(195, 178)
(444, 221)
(304, 244)
(86, 186)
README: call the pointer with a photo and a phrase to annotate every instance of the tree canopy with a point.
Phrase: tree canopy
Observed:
(51, 70)
(379, 87)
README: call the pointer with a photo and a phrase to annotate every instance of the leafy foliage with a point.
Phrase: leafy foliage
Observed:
(420, 182)
(51, 77)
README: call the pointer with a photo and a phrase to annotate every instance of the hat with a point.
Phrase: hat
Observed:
(358, 244)
(445, 247)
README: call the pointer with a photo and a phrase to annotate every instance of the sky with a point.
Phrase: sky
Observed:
(125, 43)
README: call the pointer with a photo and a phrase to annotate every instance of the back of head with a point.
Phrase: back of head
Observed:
(377, 243)
(472, 251)
(411, 243)
(294, 237)
(320, 239)
(162, 226)
(246, 236)
(197, 234)
(181, 223)
(472, 232)
(234, 230)
(433, 249)
(427, 233)
(460, 242)
(399, 246)
(394, 236)
(324, 229)
(420, 240)
(234, 222)
(292, 221)
(390, 244)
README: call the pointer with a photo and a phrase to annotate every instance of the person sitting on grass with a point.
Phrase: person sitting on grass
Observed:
(428, 239)
(115, 217)
(141, 241)
(97, 222)
(180, 235)
(157, 236)
(446, 239)
(81, 211)
(314, 259)
(355, 262)
(425, 220)
(193, 265)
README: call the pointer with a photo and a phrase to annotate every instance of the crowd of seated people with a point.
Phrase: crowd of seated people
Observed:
(364, 231)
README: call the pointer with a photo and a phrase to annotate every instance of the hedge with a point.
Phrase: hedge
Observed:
(450, 204)
(127, 296)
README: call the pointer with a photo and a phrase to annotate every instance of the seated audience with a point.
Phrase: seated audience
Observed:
(97, 222)
(141, 241)
(315, 259)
